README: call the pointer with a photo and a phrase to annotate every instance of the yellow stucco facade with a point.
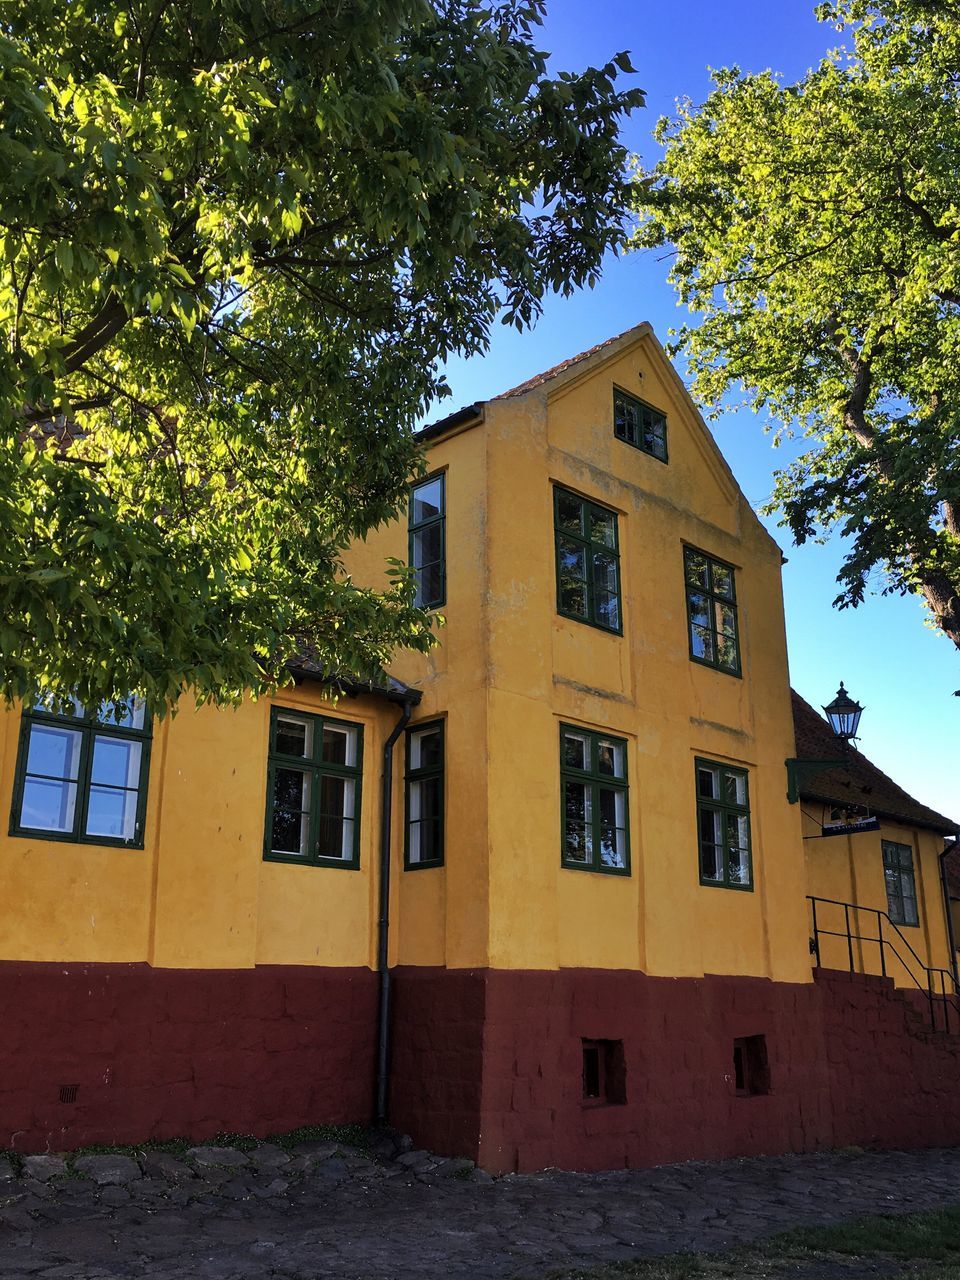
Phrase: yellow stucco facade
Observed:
(508, 672)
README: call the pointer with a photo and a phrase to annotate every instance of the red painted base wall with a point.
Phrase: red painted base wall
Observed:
(163, 1053)
(485, 1063)
(848, 1060)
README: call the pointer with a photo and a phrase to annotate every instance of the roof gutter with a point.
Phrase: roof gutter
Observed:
(383, 919)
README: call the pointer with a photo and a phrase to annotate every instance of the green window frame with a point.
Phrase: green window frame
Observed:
(900, 882)
(723, 825)
(314, 785)
(427, 540)
(594, 801)
(639, 424)
(712, 623)
(81, 778)
(588, 561)
(424, 832)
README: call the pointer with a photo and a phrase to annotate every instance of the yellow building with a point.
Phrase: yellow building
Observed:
(541, 898)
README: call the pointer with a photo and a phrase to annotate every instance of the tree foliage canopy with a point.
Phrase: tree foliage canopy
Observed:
(237, 239)
(817, 231)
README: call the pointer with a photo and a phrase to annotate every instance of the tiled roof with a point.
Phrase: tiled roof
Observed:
(539, 378)
(861, 783)
(471, 412)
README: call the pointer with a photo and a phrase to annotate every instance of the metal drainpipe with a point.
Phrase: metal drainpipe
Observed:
(945, 890)
(383, 921)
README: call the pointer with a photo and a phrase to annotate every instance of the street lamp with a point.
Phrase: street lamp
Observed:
(844, 717)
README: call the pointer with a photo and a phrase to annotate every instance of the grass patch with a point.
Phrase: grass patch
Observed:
(350, 1135)
(921, 1246)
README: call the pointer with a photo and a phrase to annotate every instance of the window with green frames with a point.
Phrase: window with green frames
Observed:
(424, 840)
(427, 535)
(313, 790)
(723, 825)
(900, 883)
(712, 611)
(588, 561)
(593, 783)
(639, 424)
(82, 778)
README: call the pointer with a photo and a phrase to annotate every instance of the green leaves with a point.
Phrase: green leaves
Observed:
(817, 237)
(238, 241)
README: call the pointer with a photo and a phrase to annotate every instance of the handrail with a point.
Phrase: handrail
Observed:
(945, 998)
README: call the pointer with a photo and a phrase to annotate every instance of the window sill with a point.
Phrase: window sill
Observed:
(88, 842)
(291, 860)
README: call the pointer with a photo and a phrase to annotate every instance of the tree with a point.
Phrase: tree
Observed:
(817, 230)
(237, 240)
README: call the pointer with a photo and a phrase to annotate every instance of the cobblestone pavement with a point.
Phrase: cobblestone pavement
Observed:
(323, 1212)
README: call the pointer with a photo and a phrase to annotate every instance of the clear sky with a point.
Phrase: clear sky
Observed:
(902, 672)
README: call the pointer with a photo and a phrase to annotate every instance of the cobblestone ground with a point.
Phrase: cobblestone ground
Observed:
(322, 1212)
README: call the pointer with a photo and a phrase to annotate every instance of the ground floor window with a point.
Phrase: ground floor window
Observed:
(424, 842)
(313, 790)
(593, 775)
(900, 882)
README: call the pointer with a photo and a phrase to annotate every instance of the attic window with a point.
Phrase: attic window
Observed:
(639, 424)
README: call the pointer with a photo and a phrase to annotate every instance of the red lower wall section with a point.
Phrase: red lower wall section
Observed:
(848, 1061)
(485, 1063)
(162, 1053)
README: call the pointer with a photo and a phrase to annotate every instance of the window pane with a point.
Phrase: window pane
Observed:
(569, 513)
(603, 527)
(53, 707)
(610, 758)
(699, 608)
(696, 569)
(734, 788)
(294, 737)
(429, 585)
(426, 749)
(711, 863)
(431, 848)
(578, 802)
(613, 845)
(332, 837)
(738, 871)
(624, 419)
(53, 751)
(112, 813)
(337, 796)
(576, 751)
(605, 577)
(425, 799)
(708, 783)
(722, 581)
(427, 500)
(48, 805)
(427, 546)
(701, 642)
(291, 811)
(577, 842)
(116, 762)
(339, 746)
(728, 654)
(132, 716)
(608, 610)
(726, 619)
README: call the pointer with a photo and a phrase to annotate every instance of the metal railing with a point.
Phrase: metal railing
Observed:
(936, 986)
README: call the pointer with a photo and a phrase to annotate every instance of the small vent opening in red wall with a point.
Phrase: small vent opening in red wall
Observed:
(68, 1092)
(604, 1072)
(751, 1069)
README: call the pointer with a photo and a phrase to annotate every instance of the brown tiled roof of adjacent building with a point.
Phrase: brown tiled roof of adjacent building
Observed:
(860, 783)
(564, 365)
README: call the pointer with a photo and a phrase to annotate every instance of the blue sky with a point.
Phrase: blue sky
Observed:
(901, 671)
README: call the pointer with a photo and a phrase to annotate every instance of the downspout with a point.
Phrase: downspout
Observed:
(945, 891)
(383, 921)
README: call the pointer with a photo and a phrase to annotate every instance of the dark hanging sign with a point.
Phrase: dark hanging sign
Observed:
(852, 827)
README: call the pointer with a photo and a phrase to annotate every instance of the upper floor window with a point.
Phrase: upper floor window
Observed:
(900, 882)
(83, 777)
(313, 790)
(593, 777)
(427, 551)
(723, 825)
(711, 611)
(424, 842)
(639, 424)
(588, 561)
